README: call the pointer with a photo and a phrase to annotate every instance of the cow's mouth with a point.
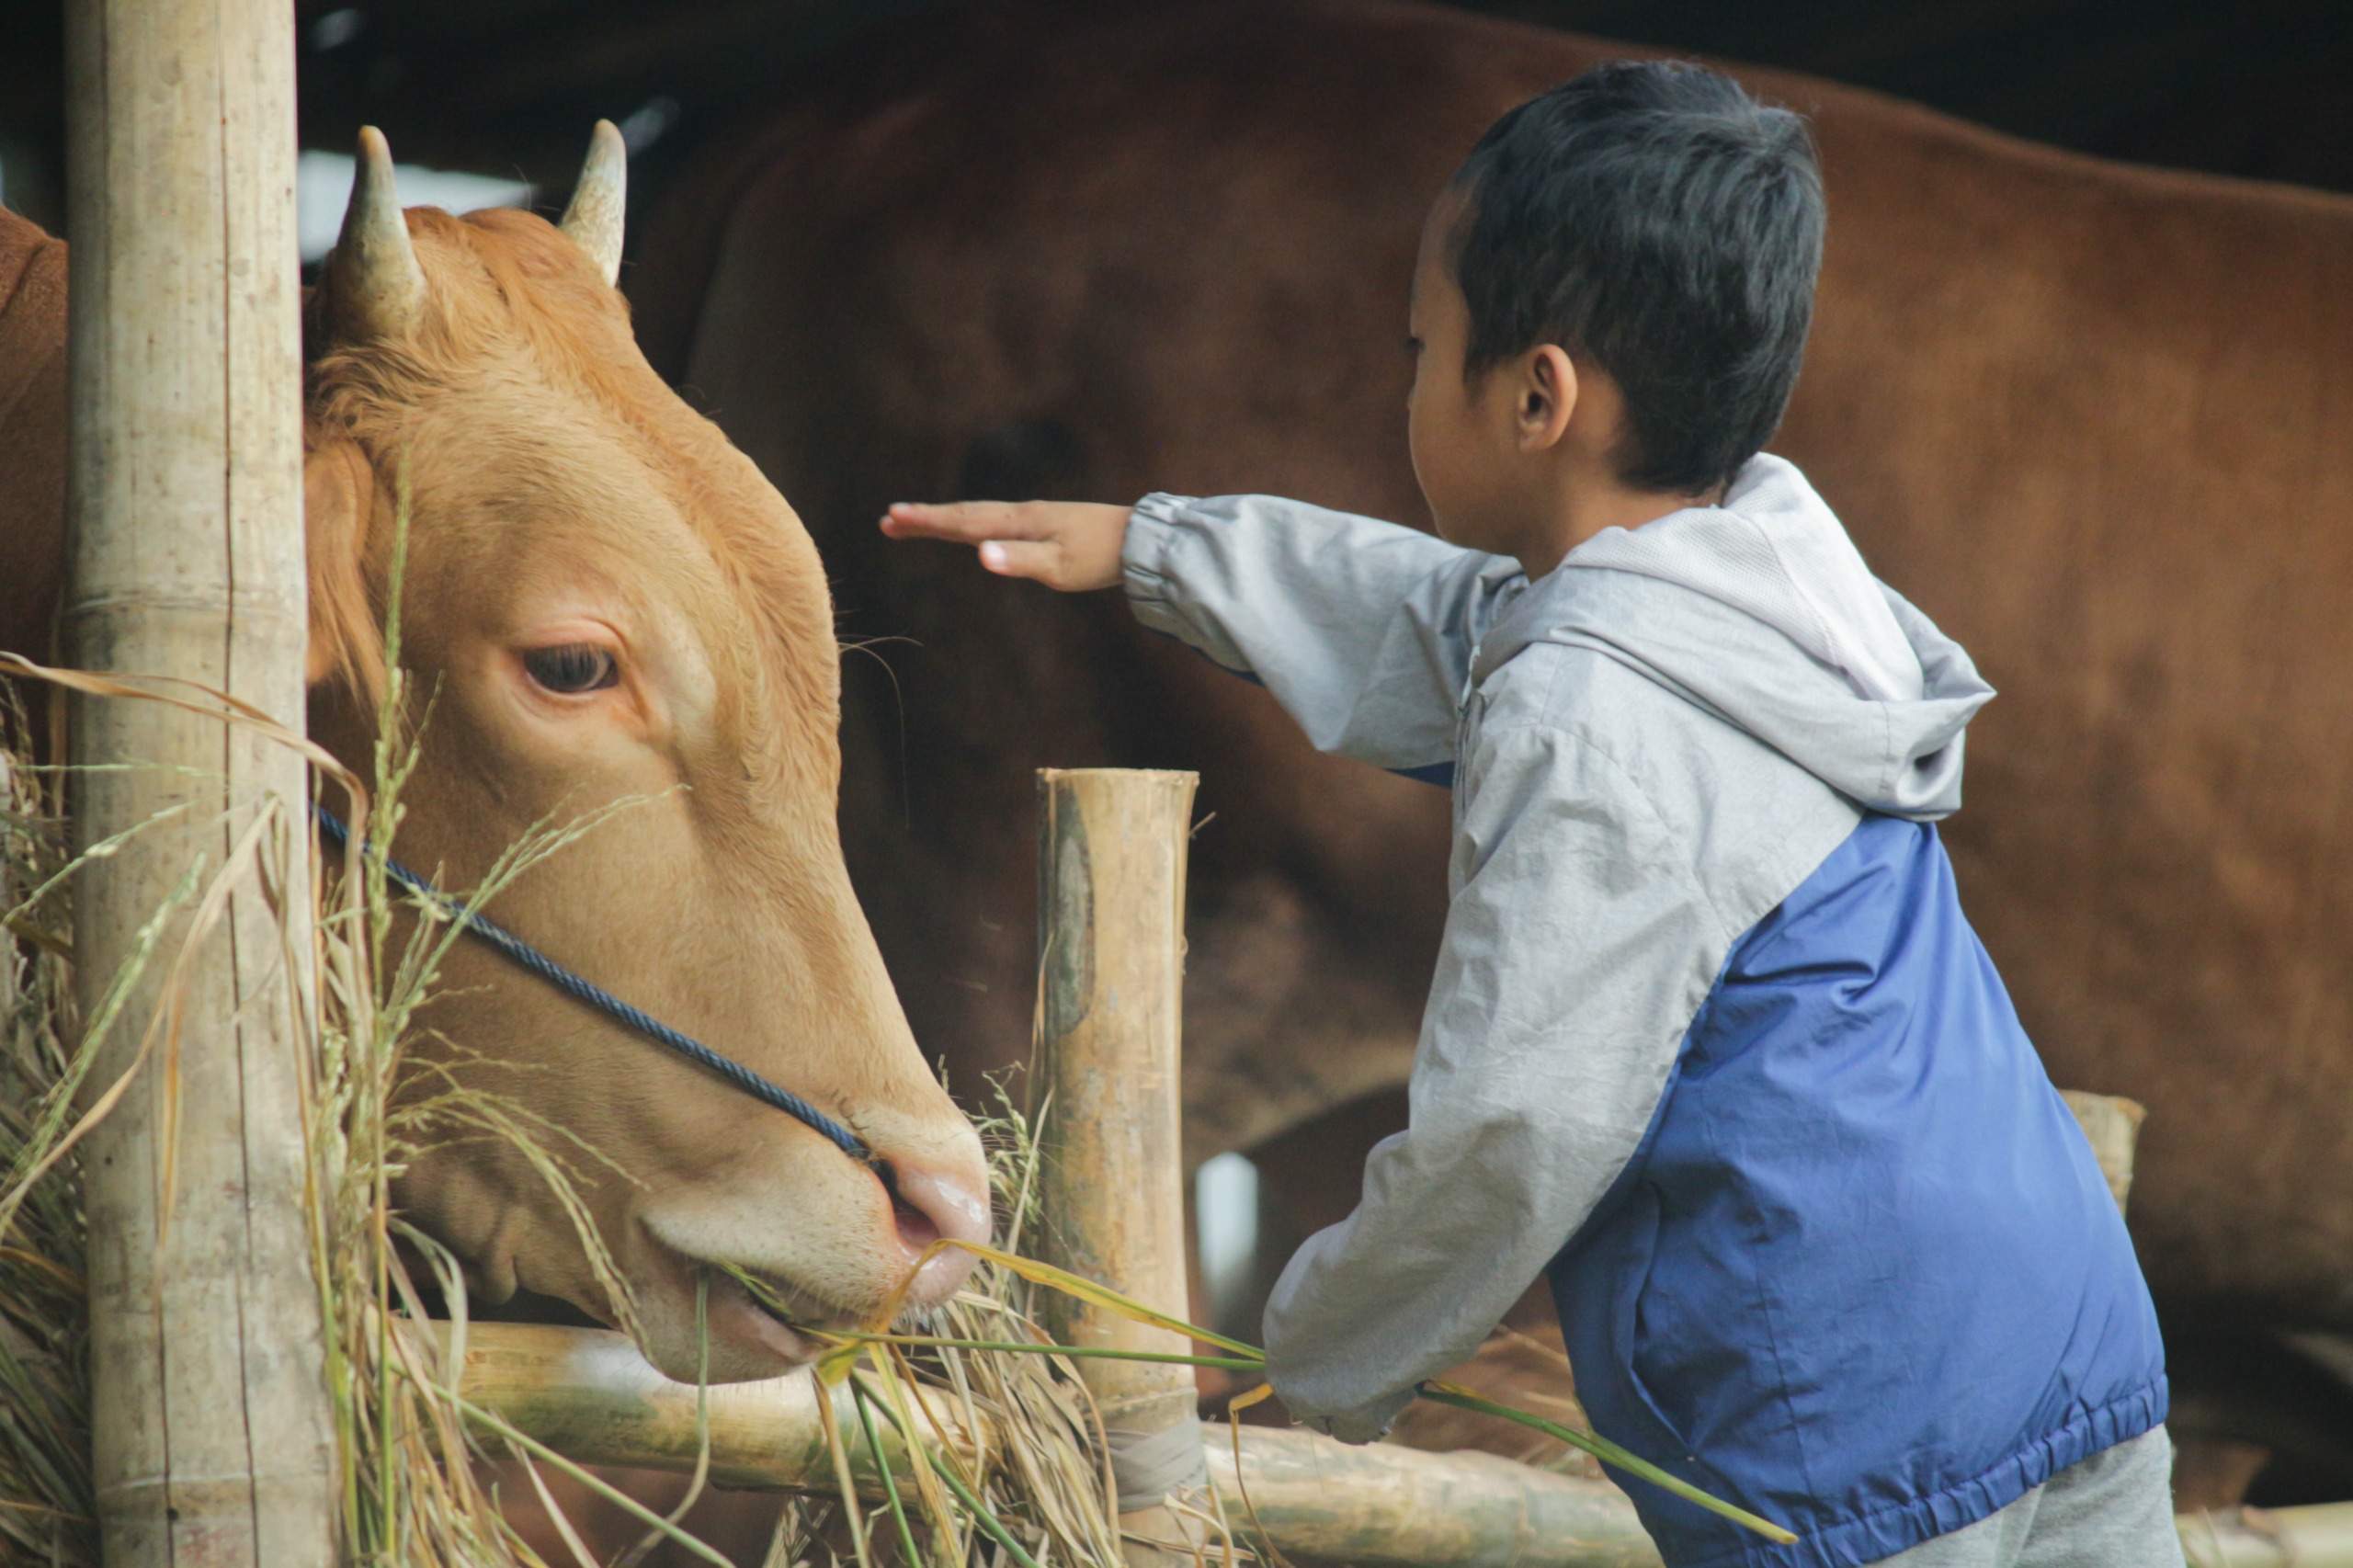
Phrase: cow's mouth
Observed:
(789, 1324)
(786, 1319)
(796, 1310)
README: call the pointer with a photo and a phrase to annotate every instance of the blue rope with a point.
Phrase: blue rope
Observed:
(519, 951)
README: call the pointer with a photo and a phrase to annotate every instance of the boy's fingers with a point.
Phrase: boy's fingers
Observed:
(967, 522)
(1022, 558)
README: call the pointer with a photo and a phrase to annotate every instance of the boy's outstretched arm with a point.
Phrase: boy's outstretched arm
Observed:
(1072, 546)
(1364, 630)
(1577, 949)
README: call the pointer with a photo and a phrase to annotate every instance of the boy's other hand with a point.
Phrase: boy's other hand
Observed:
(1068, 545)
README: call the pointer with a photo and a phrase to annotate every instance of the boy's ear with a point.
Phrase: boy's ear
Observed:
(1548, 397)
(339, 497)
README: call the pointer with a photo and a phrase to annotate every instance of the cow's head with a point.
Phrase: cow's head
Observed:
(605, 602)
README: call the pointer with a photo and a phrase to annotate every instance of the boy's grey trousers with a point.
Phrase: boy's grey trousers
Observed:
(2114, 1510)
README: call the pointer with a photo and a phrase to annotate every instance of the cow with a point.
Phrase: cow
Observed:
(612, 623)
(2094, 419)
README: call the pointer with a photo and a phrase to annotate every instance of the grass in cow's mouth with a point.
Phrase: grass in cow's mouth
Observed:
(783, 1303)
(1043, 1495)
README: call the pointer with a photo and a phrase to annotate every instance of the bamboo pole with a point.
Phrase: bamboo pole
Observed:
(588, 1394)
(2318, 1536)
(213, 1438)
(591, 1396)
(1111, 935)
(2112, 1125)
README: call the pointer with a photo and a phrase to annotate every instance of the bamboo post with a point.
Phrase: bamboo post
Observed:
(213, 1438)
(2112, 1125)
(1111, 928)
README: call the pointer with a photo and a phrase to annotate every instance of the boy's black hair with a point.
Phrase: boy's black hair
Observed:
(1654, 220)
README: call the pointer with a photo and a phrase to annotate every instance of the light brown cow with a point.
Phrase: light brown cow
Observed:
(2096, 420)
(604, 603)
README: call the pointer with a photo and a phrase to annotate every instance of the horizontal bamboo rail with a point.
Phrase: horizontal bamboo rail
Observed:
(2319, 1536)
(1384, 1506)
(589, 1395)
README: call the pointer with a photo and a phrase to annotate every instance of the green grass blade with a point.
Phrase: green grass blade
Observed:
(1022, 1347)
(1609, 1453)
(546, 1455)
(989, 1523)
(882, 1469)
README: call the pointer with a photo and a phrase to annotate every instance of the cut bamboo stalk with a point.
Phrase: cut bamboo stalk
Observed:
(588, 1394)
(213, 1438)
(2112, 1126)
(1111, 852)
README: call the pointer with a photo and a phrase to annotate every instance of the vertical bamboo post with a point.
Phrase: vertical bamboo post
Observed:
(1110, 916)
(213, 1431)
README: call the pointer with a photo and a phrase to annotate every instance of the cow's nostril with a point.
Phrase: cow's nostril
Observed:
(931, 1204)
(918, 1230)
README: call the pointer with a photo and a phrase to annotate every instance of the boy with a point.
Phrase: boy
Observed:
(1710, 1039)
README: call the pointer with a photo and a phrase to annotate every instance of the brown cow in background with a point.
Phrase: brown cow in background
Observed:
(32, 432)
(2096, 420)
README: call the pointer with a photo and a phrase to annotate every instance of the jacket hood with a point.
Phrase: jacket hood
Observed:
(1761, 610)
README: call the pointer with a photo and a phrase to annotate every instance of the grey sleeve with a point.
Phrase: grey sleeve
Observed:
(1577, 951)
(1364, 630)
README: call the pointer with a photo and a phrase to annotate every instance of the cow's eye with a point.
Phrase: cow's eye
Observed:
(573, 669)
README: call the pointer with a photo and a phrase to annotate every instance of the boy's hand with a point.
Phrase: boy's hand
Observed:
(1069, 545)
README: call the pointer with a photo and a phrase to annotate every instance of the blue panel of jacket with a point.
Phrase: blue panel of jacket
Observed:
(1864, 1266)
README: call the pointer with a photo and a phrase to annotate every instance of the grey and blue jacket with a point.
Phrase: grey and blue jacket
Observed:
(1710, 1039)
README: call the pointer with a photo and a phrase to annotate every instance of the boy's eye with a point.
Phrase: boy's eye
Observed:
(572, 668)
(1413, 345)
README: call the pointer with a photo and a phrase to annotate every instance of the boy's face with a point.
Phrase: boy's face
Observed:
(1521, 459)
(1511, 458)
(1461, 436)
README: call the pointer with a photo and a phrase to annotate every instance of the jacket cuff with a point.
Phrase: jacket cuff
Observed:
(1365, 1423)
(1163, 531)
(1144, 566)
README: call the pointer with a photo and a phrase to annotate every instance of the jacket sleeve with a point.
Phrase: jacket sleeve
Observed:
(1578, 951)
(1364, 630)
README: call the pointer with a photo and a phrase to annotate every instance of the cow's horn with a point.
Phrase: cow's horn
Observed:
(600, 202)
(374, 284)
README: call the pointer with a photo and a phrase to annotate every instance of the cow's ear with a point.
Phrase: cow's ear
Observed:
(338, 501)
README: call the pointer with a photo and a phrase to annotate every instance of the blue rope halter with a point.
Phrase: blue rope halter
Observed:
(518, 950)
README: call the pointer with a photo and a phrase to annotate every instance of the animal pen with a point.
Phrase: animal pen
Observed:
(215, 1433)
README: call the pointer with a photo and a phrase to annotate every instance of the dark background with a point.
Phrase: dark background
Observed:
(2256, 88)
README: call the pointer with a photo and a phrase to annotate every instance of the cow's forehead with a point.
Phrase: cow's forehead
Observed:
(534, 433)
